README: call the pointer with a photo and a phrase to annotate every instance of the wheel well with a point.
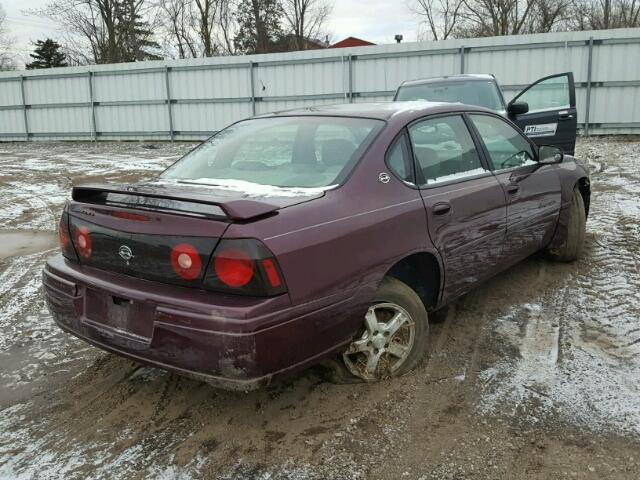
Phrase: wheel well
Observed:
(584, 186)
(421, 272)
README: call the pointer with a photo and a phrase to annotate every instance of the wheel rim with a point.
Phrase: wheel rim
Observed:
(384, 345)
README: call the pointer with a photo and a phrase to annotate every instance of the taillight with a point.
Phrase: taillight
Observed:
(65, 239)
(63, 235)
(233, 267)
(246, 267)
(186, 262)
(82, 242)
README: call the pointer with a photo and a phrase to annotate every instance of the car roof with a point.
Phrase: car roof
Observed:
(451, 78)
(381, 111)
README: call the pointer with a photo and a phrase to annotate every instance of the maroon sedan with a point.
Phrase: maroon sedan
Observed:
(314, 234)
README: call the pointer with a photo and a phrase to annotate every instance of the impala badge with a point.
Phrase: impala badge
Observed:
(126, 253)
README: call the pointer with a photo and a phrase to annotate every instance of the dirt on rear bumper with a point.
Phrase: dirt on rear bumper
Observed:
(231, 343)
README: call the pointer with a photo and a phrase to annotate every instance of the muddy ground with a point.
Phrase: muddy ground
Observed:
(534, 375)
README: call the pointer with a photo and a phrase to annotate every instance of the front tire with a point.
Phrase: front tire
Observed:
(571, 249)
(393, 338)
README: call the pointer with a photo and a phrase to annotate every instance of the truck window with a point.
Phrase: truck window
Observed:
(483, 93)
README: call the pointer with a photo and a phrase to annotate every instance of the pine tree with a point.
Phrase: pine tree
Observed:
(259, 24)
(135, 38)
(47, 54)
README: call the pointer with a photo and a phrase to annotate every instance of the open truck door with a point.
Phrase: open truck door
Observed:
(546, 111)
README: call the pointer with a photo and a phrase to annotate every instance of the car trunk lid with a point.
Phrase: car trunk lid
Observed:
(140, 230)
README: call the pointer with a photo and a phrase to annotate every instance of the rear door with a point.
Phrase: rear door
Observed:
(465, 203)
(552, 117)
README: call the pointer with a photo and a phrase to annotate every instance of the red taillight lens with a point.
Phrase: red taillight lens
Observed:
(245, 267)
(82, 241)
(186, 262)
(65, 239)
(63, 234)
(234, 268)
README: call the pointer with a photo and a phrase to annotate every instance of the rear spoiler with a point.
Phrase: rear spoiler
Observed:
(180, 203)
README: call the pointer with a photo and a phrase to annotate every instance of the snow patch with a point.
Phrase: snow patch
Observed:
(257, 189)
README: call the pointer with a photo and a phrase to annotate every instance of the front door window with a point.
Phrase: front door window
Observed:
(550, 94)
(507, 147)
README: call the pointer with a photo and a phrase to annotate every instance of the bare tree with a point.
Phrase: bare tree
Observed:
(630, 13)
(206, 20)
(439, 17)
(228, 26)
(177, 28)
(195, 28)
(104, 31)
(6, 59)
(306, 20)
(483, 18)
(488, 18)
(548, 16)
(603, 14)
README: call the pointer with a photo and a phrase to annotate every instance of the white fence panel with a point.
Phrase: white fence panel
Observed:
(11, 121)
(121, 120)
(205, 118)
(43, 121)
(10, 93)
(52, 90)
(209, 84)
(190, 99)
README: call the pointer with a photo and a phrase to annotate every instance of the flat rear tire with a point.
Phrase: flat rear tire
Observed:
(392, 340)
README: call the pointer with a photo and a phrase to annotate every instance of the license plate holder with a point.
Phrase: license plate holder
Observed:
(119, 313)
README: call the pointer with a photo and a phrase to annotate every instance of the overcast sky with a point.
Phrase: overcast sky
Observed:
(375, 20)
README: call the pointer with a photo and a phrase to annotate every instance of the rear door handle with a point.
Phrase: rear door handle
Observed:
(513, 189)
(441, 208)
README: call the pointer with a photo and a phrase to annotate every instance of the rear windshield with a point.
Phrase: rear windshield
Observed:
(281, 151)
(483, 93)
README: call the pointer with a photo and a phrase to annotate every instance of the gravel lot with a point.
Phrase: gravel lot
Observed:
(533, 375)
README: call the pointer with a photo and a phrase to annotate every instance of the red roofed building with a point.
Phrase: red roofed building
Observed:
(351, 42)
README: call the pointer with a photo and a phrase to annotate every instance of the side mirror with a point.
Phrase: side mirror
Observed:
(548, 155)
(517, 108)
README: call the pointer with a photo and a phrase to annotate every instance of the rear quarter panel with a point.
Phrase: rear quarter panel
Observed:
(349, 238)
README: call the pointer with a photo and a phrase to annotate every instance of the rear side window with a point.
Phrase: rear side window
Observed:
(507, 147)
(399, 159)
(444, 150)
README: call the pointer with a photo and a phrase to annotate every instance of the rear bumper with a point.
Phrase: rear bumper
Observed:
(229, 341)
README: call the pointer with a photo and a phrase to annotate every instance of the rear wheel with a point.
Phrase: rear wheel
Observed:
(393, 337)
(572, 247)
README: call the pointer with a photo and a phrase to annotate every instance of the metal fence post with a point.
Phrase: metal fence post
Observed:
(588, 106)
(167, 70)
(24, 109)
(253, 90)
(94, 134)
(342, 73)
(350, 78)
(462, 59)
